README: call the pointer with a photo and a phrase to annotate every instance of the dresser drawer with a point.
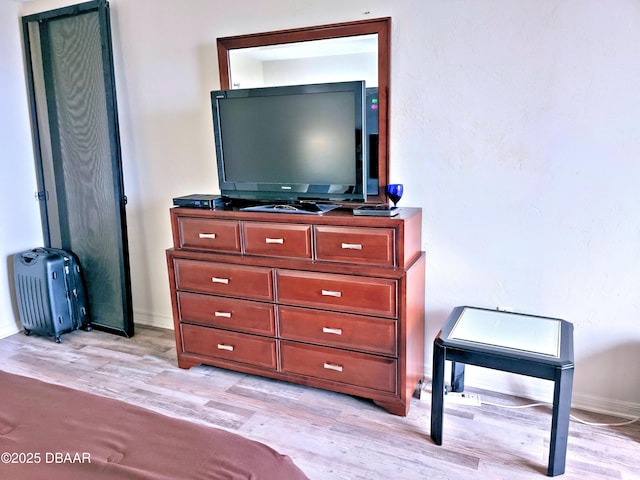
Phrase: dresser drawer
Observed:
(239, 347)
(227, 313)
(355, 332)
(372, 246)
(224, 279)
(347, 293)
(277, 239)
(208, 234)
(369, 371)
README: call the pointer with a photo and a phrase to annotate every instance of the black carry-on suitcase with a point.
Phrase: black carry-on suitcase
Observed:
(50, 291)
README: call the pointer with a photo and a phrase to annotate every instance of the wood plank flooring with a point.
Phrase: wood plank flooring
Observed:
(329, 435)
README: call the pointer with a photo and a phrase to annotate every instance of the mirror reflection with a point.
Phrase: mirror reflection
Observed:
(327, 53)
(316, 61)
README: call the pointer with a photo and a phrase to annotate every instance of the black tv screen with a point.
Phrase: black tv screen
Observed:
(291, 143)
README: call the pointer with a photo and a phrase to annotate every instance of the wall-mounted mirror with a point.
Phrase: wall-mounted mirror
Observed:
(328, 53)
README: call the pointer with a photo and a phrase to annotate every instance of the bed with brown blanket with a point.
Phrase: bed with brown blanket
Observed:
(52, 432)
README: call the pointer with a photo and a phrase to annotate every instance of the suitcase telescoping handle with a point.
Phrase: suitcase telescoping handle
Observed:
(29, 257)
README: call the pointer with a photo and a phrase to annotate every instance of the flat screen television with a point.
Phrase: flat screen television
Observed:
(301, 143)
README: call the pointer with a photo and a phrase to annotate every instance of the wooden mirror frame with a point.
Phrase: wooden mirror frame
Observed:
(379, 26)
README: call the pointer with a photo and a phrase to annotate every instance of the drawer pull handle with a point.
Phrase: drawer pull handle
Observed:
(352, 246)
(335, 331)
(207, 235)
(222, 314)
(331, 293)
(331, 366)
(274, 240)
(220, 280)
(222, 346)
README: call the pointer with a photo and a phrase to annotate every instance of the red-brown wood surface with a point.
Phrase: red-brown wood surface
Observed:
(354, 332)
(224, 279)
(377, 309)
(407, 226)
(277, 239)
(229, 313)
(238, 347)
(370, 371)
(345, 293)
(374, 246)
(208, 234)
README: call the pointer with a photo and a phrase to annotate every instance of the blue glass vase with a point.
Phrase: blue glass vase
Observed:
(395, 190)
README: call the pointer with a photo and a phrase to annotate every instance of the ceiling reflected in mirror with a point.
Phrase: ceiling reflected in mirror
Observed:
(315, 61)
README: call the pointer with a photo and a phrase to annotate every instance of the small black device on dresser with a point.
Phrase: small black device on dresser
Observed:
(376, 211)
(197, 200)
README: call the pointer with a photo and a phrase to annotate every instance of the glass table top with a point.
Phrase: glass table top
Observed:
(512, 331)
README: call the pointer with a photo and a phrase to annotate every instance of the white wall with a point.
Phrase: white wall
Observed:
(514, 125)
(19, 216)
(337, 68)
(247, 72)
(518, 131)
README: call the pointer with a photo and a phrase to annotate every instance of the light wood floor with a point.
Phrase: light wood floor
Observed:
(329, 435)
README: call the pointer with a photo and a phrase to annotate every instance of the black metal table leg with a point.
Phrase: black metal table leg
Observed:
(563, 387)
(437, 392)
(457, 377)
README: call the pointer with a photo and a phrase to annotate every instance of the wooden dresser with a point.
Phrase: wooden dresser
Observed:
(333, 301)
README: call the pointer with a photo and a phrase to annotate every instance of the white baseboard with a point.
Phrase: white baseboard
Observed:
(495, 381)
(538, 390)
(8, 331)
(533, 389)
(618, 408)
(142, 318)
(153, 319)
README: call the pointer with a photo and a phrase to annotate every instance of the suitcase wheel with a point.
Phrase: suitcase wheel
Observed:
(58, 340)
(88, 327)
(27, 332)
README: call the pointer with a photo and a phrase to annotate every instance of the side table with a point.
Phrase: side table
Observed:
(529, 345)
